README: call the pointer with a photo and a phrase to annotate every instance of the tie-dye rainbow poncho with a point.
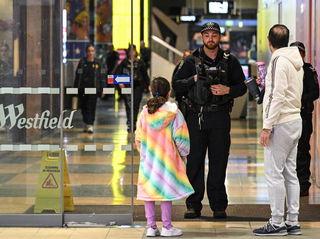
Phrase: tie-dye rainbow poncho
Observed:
(164, 140)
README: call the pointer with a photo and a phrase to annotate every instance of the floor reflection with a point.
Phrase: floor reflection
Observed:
(103, 177)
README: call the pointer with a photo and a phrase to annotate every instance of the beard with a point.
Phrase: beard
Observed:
(211, 45)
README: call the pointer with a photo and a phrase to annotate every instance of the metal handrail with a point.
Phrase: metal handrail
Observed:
(166, 45)
(166, 51)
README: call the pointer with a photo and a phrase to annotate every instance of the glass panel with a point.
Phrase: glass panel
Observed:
(99, 144)
(30, 117)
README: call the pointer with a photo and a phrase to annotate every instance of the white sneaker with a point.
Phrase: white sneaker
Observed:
(172, 232)
(152, 232)
(90, 129)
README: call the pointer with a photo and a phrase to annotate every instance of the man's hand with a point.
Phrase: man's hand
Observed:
(265, 137)
(220, 89)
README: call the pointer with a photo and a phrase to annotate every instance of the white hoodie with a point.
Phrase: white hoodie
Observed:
(283, 88)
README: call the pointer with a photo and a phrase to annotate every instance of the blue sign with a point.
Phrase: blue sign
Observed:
(119, 79)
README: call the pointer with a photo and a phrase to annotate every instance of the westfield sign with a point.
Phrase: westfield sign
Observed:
(12, 114)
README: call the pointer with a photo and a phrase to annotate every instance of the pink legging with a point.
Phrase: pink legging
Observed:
(150, 210)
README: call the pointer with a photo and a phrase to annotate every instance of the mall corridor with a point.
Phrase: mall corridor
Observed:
(69, 167)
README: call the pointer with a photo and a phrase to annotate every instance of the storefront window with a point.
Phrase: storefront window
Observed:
(50, 164)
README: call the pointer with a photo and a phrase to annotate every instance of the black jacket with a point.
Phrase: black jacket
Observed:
(88, 75)
(310, 89)
(111, 61)
(183, 81)
(140, 75)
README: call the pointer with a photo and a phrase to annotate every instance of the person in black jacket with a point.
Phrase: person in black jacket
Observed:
(141, 82)
(310, 93)
(145, 54)
(209, 80)
(111, 60)
(88, 75)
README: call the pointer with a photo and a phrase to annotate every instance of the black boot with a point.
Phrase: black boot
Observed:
(191, 214)
(219, 214)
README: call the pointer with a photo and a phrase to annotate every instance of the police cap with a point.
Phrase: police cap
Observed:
(300, 45)
(213, 26)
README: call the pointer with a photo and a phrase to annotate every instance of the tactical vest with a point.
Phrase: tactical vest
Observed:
(207, 76)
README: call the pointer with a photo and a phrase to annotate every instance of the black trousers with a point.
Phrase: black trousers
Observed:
(214, 137)
(303, 155)
(137, 97)
(88, 105)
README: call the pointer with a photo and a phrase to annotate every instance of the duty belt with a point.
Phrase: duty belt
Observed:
(205, 108)
(199, 110)
(209, 108)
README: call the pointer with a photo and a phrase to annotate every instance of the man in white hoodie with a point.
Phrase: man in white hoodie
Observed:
(281, 131)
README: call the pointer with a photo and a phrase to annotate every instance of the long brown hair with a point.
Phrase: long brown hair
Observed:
(160, 88)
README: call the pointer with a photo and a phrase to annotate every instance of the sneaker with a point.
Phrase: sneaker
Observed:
(172, 232)
(90, 129)
(271, 230)
(152, 232)
(220, 214)
(293, 229)
(191, 214)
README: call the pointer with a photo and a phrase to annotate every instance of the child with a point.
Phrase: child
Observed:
(163, 142)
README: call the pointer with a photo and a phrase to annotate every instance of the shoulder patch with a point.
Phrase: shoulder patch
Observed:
(180, 64)
(226, 55)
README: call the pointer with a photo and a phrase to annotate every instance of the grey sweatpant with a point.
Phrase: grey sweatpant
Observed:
(280, 170)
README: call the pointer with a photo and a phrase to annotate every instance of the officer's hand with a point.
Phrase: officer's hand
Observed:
(265, 137)
(219, 89)
(121, 85)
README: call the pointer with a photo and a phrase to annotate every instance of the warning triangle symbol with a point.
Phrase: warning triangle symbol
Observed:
(50, 182)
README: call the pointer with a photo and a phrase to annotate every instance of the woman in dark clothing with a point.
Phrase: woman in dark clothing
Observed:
(88, 75)
(140, 82)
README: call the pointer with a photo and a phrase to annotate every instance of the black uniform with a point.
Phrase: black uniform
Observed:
(178, 96)
(211, 128)
(111, 61)
(310, 93)
(88, 75)
(141, 82)
(145, 54)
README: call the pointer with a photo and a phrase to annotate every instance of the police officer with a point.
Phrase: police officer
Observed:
(88, 75)
(310, 93)
(209, 80)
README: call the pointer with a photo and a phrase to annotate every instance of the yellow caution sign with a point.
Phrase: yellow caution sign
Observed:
(50, 182)
(67, 191)
(49, 192)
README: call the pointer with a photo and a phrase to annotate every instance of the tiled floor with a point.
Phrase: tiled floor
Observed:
(191, 230)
